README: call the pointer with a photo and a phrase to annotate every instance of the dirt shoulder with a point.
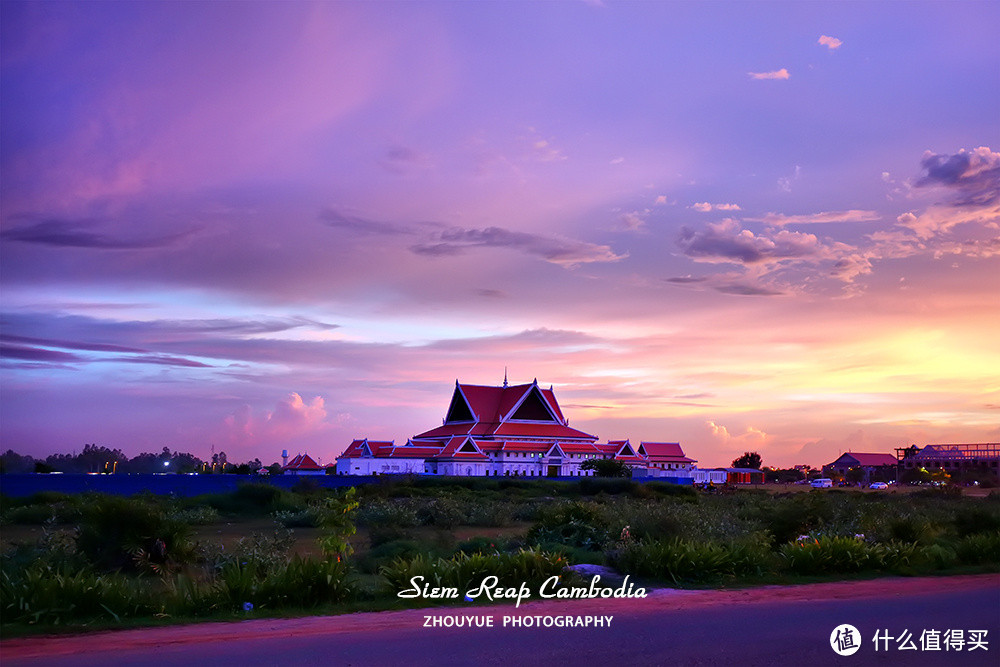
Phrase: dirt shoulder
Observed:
(659, 599)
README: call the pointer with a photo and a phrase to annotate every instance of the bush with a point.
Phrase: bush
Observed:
(42, 594)
(573, 524)
(123, 533)
(689, 561)
(826, 555)
(972, 520)
(465, 571)
(979, 549)
(307, 518)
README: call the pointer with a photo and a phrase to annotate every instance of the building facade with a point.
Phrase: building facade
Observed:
(868, 467)
(962, 462)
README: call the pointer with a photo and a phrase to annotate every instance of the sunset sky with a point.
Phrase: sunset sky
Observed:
(264, 226)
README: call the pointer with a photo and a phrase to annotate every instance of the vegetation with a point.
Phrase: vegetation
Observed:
(103, 559)
(607, 467)
(748, 460)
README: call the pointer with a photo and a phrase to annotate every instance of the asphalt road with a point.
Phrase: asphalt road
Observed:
(687, 628)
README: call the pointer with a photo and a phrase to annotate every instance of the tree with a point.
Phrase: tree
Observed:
(607, 467)
(748, 460)
(855, 475)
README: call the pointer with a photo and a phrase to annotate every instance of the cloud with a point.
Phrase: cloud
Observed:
(290, 418)
(746, 290)
(725, 284)
(634, 220)
(37, 354)
(75, 234)
(831, 43)
(661, 200)
(785, 182)
(336, 218)
(751, 437)
(400, 159)
(618, 160)
(973, 175)
(566, 252)
(853, 215)
(726, 241)
(437, 240)
(775, 75)
(705, 207)
(938, 220)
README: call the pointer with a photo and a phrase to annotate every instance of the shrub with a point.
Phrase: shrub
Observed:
(825, 555)
(196, 516)
(465, 571)
(979, 549)
(42, 594)
(573, 524)
(307, 518)
(382, 512)
(683, 560)
(972, 520)
(118, 533)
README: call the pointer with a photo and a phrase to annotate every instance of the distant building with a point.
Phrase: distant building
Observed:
(303, 464)
(732, 476)
(873, 467)
(518, 430)
(973, 461)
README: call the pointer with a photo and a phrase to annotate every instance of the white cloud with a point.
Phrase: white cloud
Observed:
(705, 207)
(775, 75)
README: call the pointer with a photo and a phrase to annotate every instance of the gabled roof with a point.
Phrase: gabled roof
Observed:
(461, 448)
(866, 459)
(364, 447)
(663, 452)
(302, 462)
(517, 411)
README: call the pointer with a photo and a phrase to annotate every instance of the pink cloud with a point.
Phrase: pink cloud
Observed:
(831, 43)
(780, 74)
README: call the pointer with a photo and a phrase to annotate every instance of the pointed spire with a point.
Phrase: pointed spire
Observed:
(504, 377)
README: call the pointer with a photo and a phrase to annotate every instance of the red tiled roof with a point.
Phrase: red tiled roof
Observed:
(580, 448)
(869, 459)
(413, 452)
(302, 462)
(525, 446)
(557, 431)
(492, 404)
(451, 451)
(664, 452)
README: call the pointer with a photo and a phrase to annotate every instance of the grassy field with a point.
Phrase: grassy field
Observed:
(88, 560)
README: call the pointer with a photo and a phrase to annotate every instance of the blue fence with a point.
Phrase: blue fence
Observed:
(19, 485)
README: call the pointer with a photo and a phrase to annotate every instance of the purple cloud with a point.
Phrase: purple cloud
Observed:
(74, 234)
(726, 241)
(974, 175)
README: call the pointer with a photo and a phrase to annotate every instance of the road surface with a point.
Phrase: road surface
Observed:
(788, 625)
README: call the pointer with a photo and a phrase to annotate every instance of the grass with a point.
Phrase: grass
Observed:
(229, 547)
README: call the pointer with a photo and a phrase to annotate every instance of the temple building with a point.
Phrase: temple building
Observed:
(510, 430)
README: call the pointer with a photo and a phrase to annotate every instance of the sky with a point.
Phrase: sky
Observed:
(255, 226)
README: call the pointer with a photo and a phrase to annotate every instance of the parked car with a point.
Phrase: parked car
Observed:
(822, 483)
(878, 485)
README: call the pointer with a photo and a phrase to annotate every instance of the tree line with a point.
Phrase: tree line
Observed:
(100, 459)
